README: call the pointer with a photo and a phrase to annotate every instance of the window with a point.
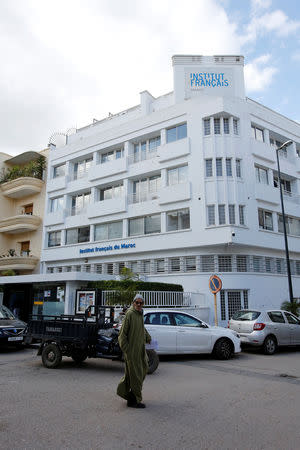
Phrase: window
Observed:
(261, 175)
(285, 184)
(206, 127)
(111, 192)
(110, 268)
(235, 126)
(68, 269)
(231, 209)
(79, 203)
(221, 212)
(226, 125)
(292, 319)
(190, 263)
(81, 168)
(238, 168)
(121, 266)
(154, 143)
(292, 225)
(276, 316)
(219, 169)
(59, 171)
(25, 248)
(54, 239)
(257, 133)
(207, 263)
(175, 264)
(145, 149)
(297, 267)
(279, 265)
(208, 168)
(257, 264)
(228, 167)
(111, 230)
(176, 133)
(111, 155)
(157, 319)
(133, 266)
(265, 220)
(211, 215)
(144, 225)
(242, 214)
(146, 266)
(178, 220)
(225, 264)
(182, 320)
(56, 204)
(234, 302)
(268, 265)
(177, 176)
(28, 209)
(145, 189)
(241, 263)
(160, 265)
(77, 235)
(217, 126)
(98, 268)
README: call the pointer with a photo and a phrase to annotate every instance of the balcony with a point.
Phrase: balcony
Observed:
(106, 207)
(22, 187)
(18, 262)
(22, 223)
(54, 218)
(175, 193)
(267, 193)
(107, 169)
(76, 216)
(141, 197)
(174, 150)
(55, 184)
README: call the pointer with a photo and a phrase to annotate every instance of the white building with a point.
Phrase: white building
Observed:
(181, 187)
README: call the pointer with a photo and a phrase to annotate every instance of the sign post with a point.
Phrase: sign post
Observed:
(215, 285)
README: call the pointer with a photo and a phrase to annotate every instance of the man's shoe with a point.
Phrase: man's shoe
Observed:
(131, 401)
(136, 405)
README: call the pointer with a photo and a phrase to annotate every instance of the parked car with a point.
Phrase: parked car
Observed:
(181, 333)
(266, 329)
(11, 328)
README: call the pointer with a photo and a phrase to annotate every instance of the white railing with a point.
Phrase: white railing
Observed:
(140, 197)
(141, 156)
(157, 298)
(77, 210)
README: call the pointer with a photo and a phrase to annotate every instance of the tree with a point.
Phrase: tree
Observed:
(293, 307)
(127, 289)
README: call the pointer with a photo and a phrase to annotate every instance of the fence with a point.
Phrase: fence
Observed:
(157, 298)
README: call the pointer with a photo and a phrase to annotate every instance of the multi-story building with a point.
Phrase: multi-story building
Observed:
(180, 187)
(22, 197)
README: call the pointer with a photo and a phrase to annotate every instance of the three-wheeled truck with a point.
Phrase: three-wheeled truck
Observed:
(80, 337)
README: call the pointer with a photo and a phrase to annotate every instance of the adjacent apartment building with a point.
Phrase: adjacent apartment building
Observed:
(181, 187)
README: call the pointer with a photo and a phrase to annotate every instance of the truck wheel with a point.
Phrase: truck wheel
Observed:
(79, 356)
(153, 361)
(51, 356)
(223, 349)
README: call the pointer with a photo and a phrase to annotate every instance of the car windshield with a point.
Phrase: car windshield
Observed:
(246, 315)
(5, 313)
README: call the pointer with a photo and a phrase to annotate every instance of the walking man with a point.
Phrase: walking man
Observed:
(132, 339)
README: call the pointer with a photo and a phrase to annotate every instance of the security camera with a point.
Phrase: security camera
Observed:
(233, 233)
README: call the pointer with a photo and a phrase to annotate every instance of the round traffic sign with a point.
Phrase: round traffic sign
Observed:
(215, 284)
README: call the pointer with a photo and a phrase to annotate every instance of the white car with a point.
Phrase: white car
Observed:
(181, 333)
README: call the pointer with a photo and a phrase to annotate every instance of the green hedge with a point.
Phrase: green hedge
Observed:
(106, 285)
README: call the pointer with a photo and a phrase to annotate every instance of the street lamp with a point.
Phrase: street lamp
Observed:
(284, 225)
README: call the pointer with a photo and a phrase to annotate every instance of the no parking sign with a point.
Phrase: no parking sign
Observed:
(215, 285)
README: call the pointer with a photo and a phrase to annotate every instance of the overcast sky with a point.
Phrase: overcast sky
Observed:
(66, 62)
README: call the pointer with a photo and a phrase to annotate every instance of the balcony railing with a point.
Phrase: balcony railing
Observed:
(141, 156)
(140, 197)
(18, 262)
(78, 210)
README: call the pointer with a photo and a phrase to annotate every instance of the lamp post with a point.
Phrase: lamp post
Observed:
(288, 266)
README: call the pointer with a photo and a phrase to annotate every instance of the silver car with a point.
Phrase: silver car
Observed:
(266, 329)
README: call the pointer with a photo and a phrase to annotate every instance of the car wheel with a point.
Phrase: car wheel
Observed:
(223, 349)
(51, 356)
(153, 361)
(79, 356)
(270, 345)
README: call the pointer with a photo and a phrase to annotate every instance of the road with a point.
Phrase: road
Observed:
(249, 402)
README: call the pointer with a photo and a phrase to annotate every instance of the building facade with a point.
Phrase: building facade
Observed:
(181, 187)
